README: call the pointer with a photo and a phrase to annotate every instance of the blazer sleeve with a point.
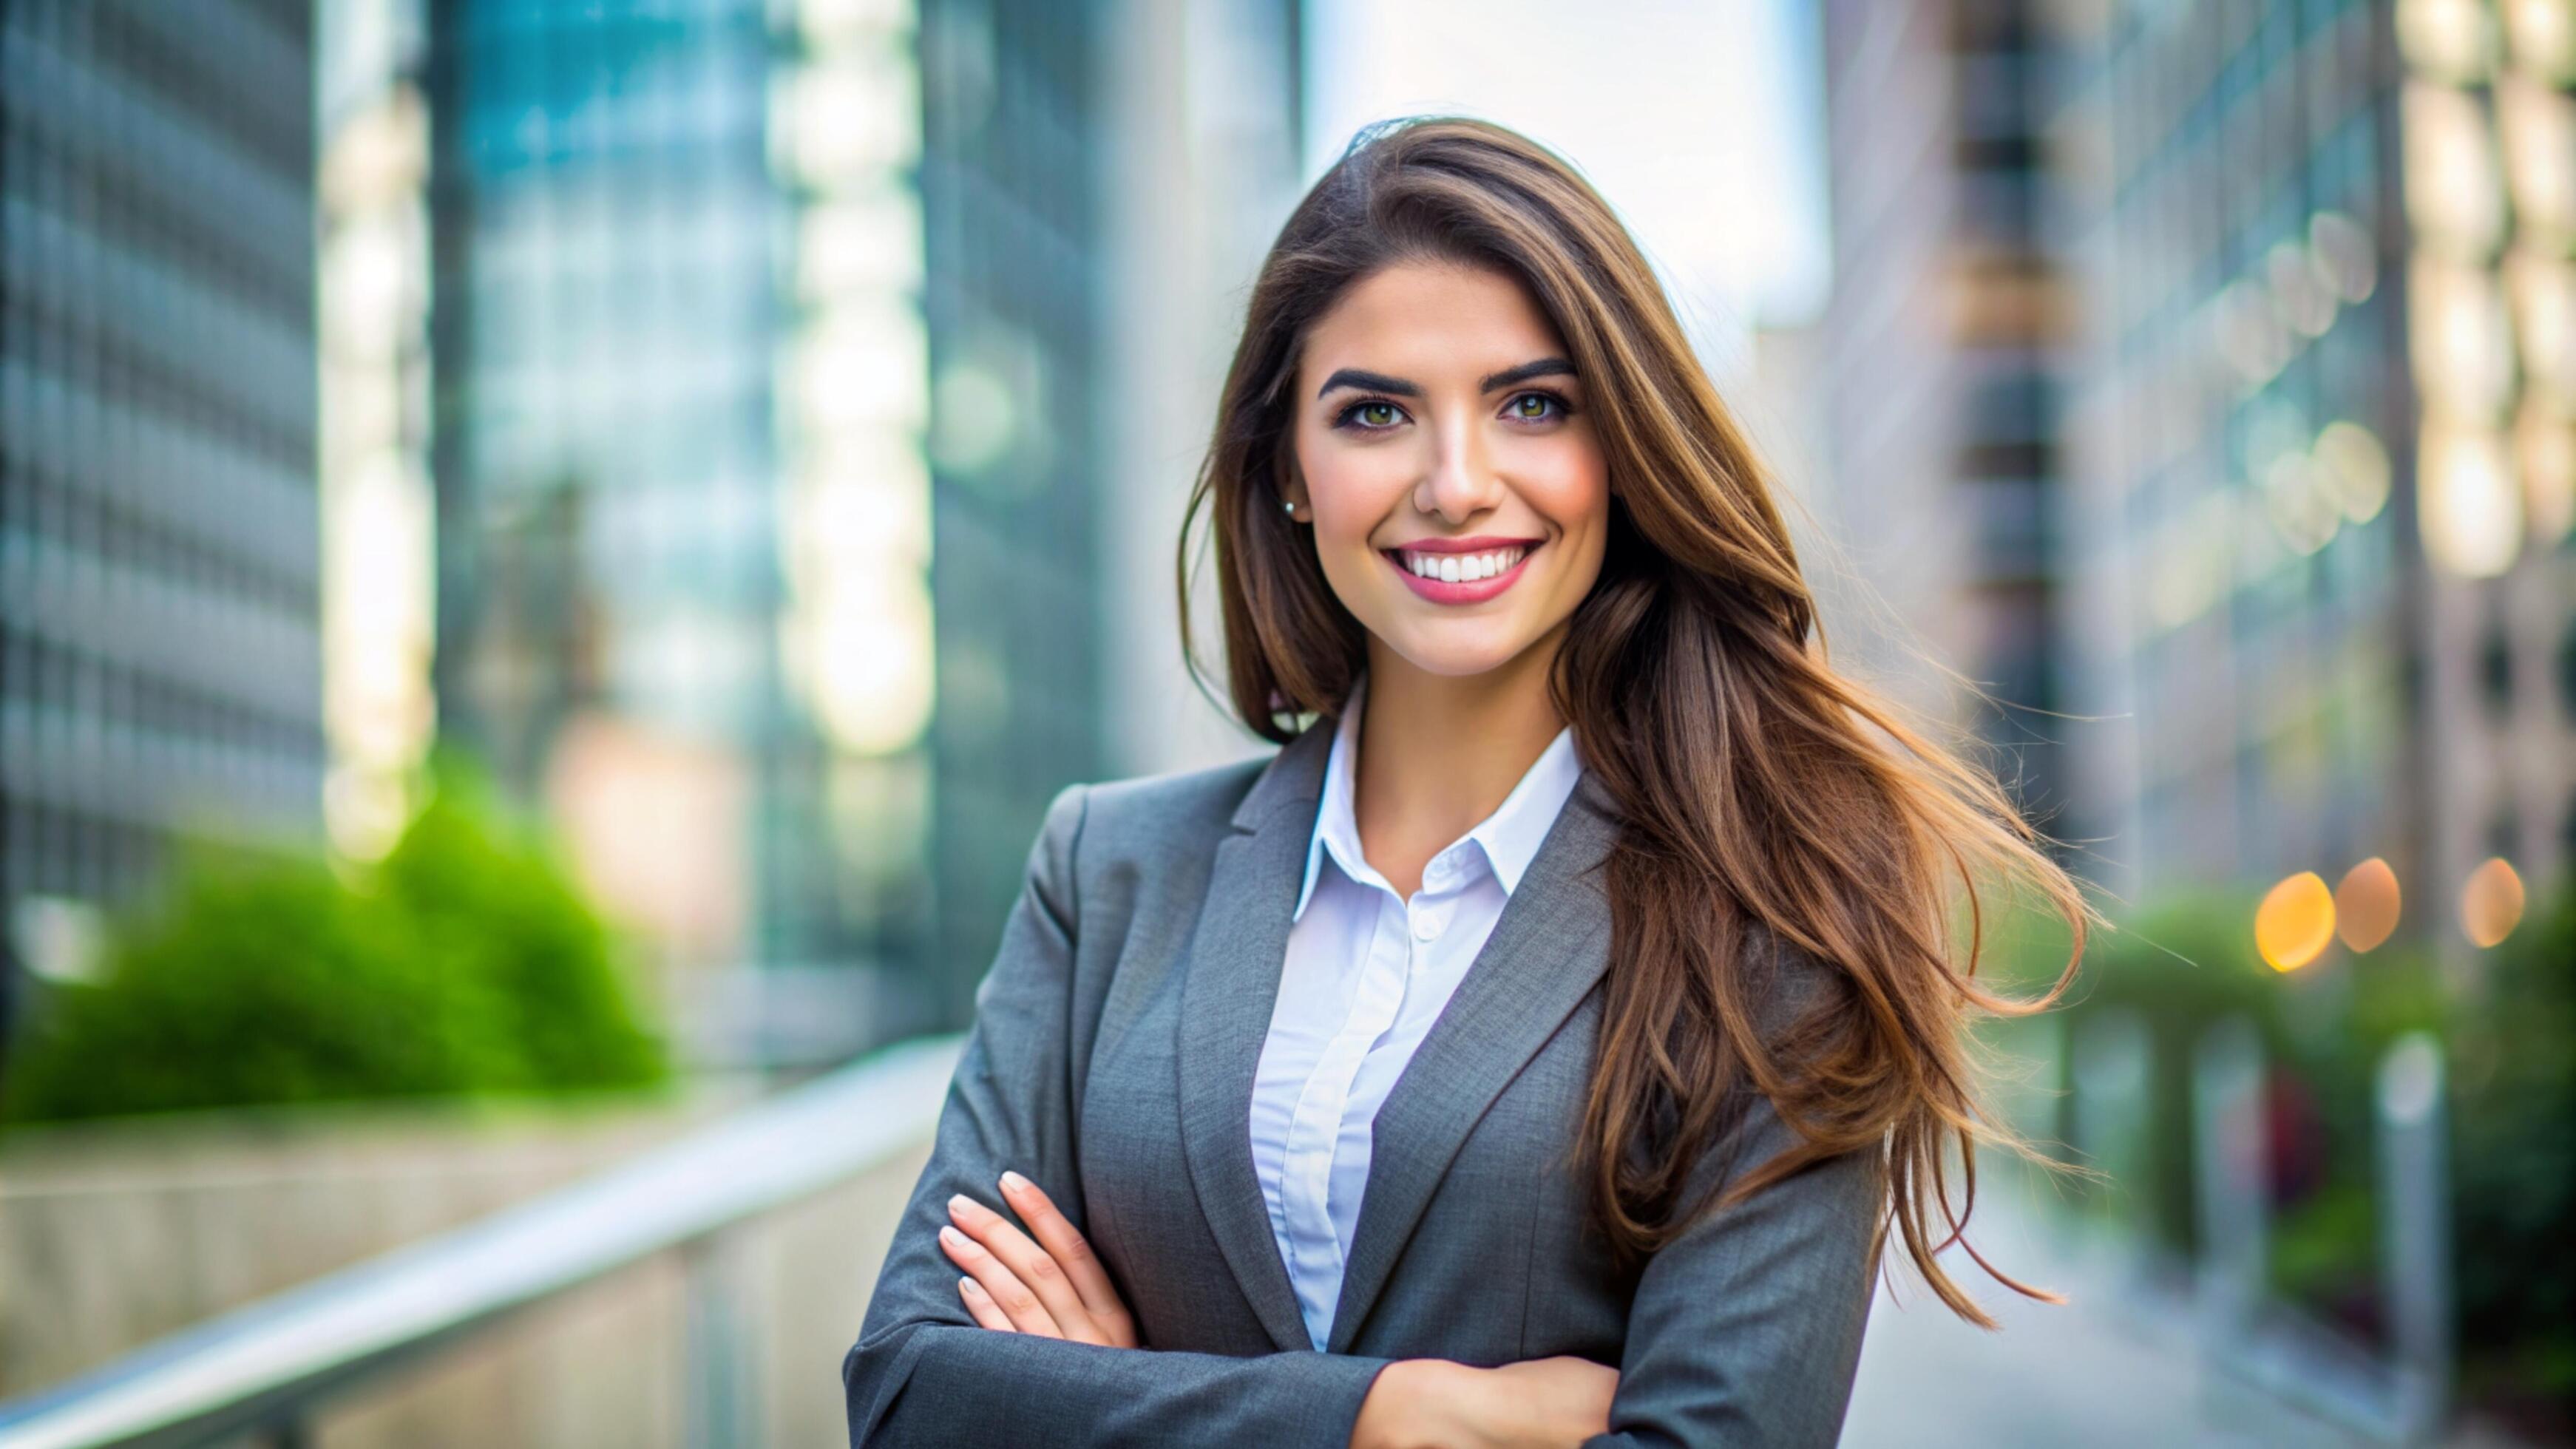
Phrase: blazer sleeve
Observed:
(1746, 1330)
(923, 1372)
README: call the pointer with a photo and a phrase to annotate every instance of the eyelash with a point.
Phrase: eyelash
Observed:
(1345, 419)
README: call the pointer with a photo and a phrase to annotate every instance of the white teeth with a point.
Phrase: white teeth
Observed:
(1462, 568)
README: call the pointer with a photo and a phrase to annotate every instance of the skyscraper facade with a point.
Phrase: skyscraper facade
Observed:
(1014, 128)
(2239, 581)
(2316, 549)
(159, 642)
(1948, 324)
(766, 341)
(682, 511)
(2486, 107)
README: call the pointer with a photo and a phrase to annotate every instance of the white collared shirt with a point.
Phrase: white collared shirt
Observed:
(1367, 973)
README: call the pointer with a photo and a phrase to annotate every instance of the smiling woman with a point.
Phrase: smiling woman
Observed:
(1539, 1046)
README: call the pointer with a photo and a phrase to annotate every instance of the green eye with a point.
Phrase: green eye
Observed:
(1532, 406)
(1377, 414)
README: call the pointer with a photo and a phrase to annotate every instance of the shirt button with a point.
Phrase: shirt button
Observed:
(1425, 927)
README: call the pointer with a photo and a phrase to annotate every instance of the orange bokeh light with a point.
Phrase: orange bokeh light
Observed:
(2295, 921)
(2366, 904)
(2491, 902)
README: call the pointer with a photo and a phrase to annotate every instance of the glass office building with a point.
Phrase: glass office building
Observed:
(2486, 107)
(2241, 581)
(159, 650)
(763, 458)
(1009, 186)
(2316, 551)
(616, 397)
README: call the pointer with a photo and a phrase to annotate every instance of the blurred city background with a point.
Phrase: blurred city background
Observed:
(553, 553)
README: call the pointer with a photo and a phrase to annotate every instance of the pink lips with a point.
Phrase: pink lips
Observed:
(1440, 592)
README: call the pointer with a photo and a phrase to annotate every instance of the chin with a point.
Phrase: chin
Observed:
(1447, 654)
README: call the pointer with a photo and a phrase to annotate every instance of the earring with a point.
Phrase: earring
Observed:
(1291, 506)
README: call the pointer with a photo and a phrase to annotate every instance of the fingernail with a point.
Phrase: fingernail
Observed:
(970, 1287)
(952, 1237)
(1013, 1182)
(961, 1203)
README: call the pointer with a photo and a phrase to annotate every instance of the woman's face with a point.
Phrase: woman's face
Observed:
(1447, 461)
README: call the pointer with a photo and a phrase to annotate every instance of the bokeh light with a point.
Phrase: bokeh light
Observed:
(2452, 39)
(2491, 902)
(2351, 456)
(2295, 922)
(2366, 904)
(2543, 36)
(2467, 503)
(2545, 446)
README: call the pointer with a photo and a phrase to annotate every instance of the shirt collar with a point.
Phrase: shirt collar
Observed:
(1510, 837)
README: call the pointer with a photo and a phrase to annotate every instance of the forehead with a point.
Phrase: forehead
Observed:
(1427, 320)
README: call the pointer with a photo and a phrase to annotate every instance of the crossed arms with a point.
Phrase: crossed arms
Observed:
(1746, 1330)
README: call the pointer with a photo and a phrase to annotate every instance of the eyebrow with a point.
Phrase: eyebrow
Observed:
(1379, 382)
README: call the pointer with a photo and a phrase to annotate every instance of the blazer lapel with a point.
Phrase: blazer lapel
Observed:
(1549, 946)
(1236, 954)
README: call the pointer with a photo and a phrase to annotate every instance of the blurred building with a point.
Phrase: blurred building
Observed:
(1015, 124)
(774, 389)
(1948, 322)
(681, 523)
(159, 653)
(2487, 126)
(2315, 548)
(2239, 587)
(1097, 183)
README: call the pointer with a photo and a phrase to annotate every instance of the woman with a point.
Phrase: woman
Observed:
(1535, 1049)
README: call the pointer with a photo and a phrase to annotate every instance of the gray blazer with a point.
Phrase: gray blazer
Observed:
(1112, 1059)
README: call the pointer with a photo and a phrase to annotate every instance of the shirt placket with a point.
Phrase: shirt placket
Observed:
(1314, 1133)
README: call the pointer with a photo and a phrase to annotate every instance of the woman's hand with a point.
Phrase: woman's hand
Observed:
(1545, 1403)
(1052, 1285)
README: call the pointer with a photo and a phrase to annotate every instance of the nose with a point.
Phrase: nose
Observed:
(1461, 482)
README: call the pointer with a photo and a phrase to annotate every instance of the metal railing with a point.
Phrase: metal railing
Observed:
(268, 1367)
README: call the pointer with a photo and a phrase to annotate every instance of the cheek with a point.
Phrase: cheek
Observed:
(1567, 478)
(1352, 488)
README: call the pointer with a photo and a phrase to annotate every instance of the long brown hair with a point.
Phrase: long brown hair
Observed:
(1755, 785)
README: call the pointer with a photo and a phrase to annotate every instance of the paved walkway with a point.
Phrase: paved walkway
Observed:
(2114, 1366)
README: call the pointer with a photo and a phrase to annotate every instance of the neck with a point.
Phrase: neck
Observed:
(1438, 753)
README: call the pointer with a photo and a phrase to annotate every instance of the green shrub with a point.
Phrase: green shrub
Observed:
(463, 963)
(495, 910)
(2513, 1093)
